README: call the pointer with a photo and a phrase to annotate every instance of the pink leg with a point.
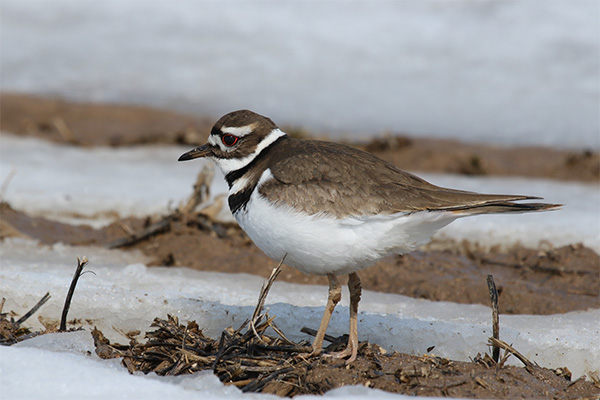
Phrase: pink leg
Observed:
(335, 295)
(355, 292)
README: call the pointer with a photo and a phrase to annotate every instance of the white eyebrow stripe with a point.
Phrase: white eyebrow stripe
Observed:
(238, 131)
(228, 165)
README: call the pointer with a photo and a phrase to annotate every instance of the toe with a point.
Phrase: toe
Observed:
(350, 352)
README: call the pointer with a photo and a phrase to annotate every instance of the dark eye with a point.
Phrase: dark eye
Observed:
(229, 140)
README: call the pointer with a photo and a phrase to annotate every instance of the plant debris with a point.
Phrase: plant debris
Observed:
(12, 331)
(238, 358)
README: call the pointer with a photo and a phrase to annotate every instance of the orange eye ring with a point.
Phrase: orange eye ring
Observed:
(229, 139)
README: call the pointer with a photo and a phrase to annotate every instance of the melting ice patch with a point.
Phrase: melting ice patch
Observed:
(127, 295)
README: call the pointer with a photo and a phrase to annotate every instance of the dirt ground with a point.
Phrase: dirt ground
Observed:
(530, 281)
(122, 125)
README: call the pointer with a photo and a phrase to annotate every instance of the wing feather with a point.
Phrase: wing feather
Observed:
(316, 177)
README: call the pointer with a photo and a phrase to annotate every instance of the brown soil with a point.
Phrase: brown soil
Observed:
(117, 125)
(450, 156)
(97, 124)
(530, 281)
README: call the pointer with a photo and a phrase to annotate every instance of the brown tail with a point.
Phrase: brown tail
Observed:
(501, 207)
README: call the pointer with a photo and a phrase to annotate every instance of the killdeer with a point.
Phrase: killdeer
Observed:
(331, 209)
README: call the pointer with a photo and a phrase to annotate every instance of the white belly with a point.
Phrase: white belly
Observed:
(321, 244)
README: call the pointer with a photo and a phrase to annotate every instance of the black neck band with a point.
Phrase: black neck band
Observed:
(238, 173)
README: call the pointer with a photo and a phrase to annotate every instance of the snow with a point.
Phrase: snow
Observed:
(578, 221)
(92, 185)
(124, 295)
(56, 357)
(493, 71)
(97, 379)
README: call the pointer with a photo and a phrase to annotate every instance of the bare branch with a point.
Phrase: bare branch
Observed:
(33, 310)
(512, 350)
(6, 182)
(201, 189)
(264, 291)
(63, 320)
(495, 316)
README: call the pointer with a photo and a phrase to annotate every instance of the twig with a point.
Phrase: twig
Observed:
(201, 189)
(221, 349)
(33, 310)
(503, 360)
(512, 350)
(256, 384)
(2, 304)
(183, 340)
(156, 227)
(256, 329)
(313, 332)
(280, 333)
(7, 180)
(63, 320)
(64, 130)
(287, 349)
(264, 291)
(495, 316)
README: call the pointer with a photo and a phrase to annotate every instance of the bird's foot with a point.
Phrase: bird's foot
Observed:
(310, 352)
(350, 351)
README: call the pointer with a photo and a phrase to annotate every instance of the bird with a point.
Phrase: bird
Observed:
(332, 209)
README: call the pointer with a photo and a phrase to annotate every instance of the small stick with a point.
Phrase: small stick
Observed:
(503, 359)
(6, 182)
(220, 351)
(33, 310)
(155, 228)
(313, 332)
(64, 130)
(257, 384)
(495, 316)
(264, 291)
(280, 333)
(288, 349)
(63, 320)
(2, 304)
(184, 337)
(201, 189)
(512, 350)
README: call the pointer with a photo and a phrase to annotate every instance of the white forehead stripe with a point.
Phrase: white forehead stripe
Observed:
(238, 131)
(212, 140)
(228, 165)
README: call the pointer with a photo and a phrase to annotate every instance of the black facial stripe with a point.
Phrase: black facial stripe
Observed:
(216, 131)
(235, 175)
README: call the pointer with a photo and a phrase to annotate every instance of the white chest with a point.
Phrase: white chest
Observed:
(321, 244)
